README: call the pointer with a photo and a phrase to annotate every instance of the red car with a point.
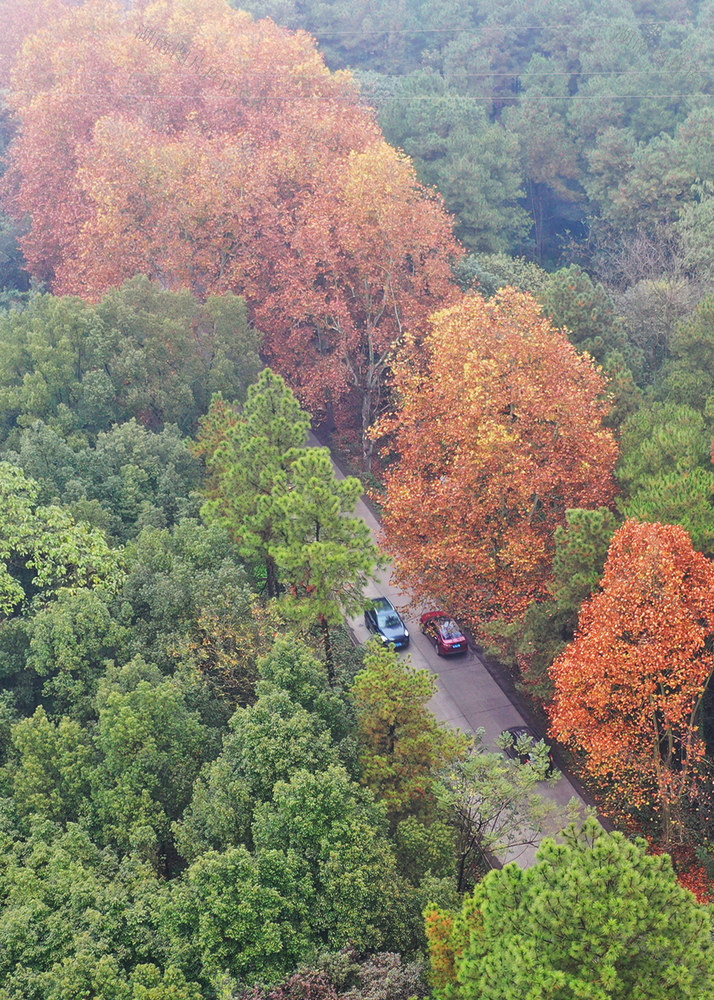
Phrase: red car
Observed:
(443, 632)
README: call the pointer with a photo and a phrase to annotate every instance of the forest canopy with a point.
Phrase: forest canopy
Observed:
(469, 245)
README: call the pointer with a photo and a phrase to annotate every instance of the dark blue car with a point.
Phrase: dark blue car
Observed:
(382, 618)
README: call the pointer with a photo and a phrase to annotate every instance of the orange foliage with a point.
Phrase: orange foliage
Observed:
(442, 959)
(370, 258)
(19, 20)
(192, 144)
(498, 433)
(629, 687)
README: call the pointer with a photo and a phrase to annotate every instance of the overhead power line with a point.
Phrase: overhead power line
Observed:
(510, 25)
(521, 97)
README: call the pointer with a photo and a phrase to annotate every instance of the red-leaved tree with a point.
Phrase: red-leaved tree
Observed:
(498, 432)
(209, 151)
(628, 689)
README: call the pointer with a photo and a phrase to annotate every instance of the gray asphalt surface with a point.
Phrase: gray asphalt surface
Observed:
(468, 698)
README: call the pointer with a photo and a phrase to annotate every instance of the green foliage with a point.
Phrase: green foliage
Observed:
(50, 767)
(689, 376)
(580, 552)
(247, 452)
(65, 905)
(661, 438)
(403, 745)
(151, 746)
(573, 300)
(43, 550)
(267, 742)
(130, 478)
(285, 507)
(487, 272)
(425, 850)
(685, 498)
(333, 825)
(324, 554)
(696, 229)
(596, 918)
(80, 367)
(246, 917)
(471, 160)
(87, 975)
(666, 469)
(175, 578)
(530, 646)
(492, 803)
(292, 668)
(70, 642)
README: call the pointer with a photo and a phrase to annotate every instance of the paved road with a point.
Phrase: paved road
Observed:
(468, 697)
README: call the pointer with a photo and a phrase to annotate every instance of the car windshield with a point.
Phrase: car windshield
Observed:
(387, 619)
(450, 630)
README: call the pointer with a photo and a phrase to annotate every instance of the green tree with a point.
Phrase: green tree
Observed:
(152, 747)
(666, 469)
(237, 918)
(170, 353)
(530, 646)
(685, 498)
(661, 438)
(50, 766)
(267, 743)
(547, 153)
(596, 917)
(689, 376)
(70, 641)
(141, 352)
(178, 579)
(134, 476)
(492, 803)
(62, 897)
(333, 825)
(426, 852)
(403, 745)
(325, 554)
(696, 229)
(43, 550)
(246, 452)
(293, 668)
(573, 300)
(487, 272)
(580, 552)
(653, 180)
(90, 975)
(471, 160)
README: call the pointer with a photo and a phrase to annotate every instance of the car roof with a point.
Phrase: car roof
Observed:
(517, 731)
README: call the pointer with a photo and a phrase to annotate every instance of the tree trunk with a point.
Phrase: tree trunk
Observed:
(272, 578)
(367, 442)
(538, 212)
(327, 641)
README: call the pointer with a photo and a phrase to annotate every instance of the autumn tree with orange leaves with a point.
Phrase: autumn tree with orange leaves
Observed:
(628, 689)
(498, 432)
(209, 151)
